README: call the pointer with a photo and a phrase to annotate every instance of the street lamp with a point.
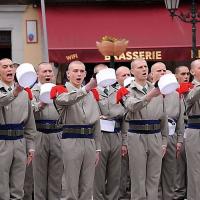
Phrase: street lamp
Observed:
(191, 17)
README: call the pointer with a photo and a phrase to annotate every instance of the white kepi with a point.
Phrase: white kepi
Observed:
(45, 90)
(128, 81)
(168, 84)
(26, 75)
(106, 77)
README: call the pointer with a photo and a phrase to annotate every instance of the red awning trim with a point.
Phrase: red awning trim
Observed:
(150, 54)
(74, 30)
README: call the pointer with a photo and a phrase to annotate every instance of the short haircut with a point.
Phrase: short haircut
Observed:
(178, 67)
(99, 66)
(133, 63)
(76, 62)
(193, 63)
(155, 64)
(120, 68)
(42, 63)
(4, 59)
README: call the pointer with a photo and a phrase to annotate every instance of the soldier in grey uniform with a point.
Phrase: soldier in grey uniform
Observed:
(121, 74)
(17, 130)
(183, 75)
(81, 138)
(47, 165)
(147, 136)
(114, 143)
(175, 113)
(192, 135)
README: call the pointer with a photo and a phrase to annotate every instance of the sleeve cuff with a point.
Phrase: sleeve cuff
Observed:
(144, 100)
(31, 150)
(84, 90)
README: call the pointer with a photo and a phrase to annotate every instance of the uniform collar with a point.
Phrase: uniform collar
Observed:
(110, 89)
(71, 87)
(148, 86)
(196, 82)
(5, 86)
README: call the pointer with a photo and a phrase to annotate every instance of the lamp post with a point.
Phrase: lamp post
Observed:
(46, 54)
(191, 17)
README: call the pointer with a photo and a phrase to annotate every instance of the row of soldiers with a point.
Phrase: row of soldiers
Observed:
(90, 130)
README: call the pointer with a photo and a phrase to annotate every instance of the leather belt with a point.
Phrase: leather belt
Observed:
(144, 126)
(194, 122)
(11, 131)
(48, 126)
(78, 131)
(194, 119)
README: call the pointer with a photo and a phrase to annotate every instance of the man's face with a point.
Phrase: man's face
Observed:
(76, 74)
(122, 75)
(45, 73)
(7, 71)
(158, 71)
(195, 71)
(183, 74)
(140, 70)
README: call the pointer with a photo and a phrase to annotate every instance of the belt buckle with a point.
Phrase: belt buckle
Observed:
(146, 127)
(48, 126)
(82, 130)
(9, 132)
(18, 133)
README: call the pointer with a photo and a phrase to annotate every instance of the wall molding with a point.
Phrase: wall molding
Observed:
(13, 8)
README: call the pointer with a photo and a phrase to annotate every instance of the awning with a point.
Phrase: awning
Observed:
(152, 34)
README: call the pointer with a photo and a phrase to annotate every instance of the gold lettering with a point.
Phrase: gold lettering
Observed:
(141, 54)
(122, 57)
(129, 55)
(68, 57)
(135, 55)
(72, 56)
(148, 55)
(158, 55)
(199, 53)
(116, 58)
(107, 58)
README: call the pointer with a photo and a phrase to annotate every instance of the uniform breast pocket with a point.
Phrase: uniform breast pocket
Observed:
(103, 102)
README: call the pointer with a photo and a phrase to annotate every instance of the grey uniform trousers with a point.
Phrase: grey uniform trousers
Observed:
(79, 155)
(28, 183)
(47, 167)
(124, 176)
(107, 172)
(181, 176)
(192, 147)
(145, 159)
(12, 169)
(168, 171)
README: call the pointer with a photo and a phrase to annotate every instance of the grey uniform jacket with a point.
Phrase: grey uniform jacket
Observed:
(193, 100)
(17, 110)
(140, 109)
(111, 110)
(48, 113)
(175, 109)
(77, 107)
